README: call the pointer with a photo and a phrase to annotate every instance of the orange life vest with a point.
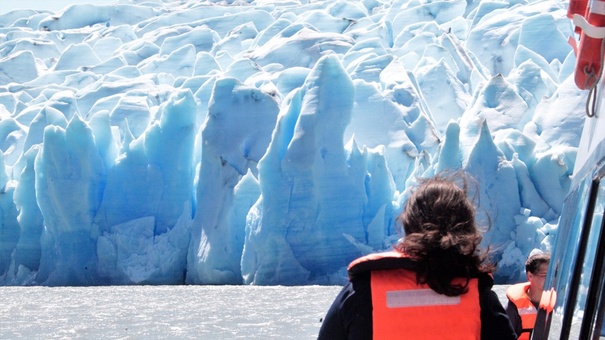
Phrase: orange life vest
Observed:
(517, 294)
(401, 307)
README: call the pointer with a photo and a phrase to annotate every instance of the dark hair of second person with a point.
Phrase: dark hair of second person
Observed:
(533, 262)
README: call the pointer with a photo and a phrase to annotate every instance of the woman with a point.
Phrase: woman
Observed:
(434, 285)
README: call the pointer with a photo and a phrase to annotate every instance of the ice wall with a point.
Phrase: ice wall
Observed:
(272, 142)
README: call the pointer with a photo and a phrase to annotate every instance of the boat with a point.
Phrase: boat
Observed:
(573, 301)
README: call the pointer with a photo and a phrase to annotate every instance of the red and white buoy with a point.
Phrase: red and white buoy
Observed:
(589, 59)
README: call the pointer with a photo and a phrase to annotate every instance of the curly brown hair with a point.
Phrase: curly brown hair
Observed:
(441, 235)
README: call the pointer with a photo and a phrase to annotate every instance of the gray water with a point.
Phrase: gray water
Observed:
(166, 312)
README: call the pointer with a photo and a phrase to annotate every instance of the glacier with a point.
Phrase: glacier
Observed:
(272, 142)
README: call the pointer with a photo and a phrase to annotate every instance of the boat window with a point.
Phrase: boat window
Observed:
(564, 255)
(588, 264)
(594, 314)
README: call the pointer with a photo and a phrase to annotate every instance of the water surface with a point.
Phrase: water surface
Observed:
(166, 312)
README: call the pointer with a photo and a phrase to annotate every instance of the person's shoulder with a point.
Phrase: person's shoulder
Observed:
(486, 281)
(360, 283)
(355, 289)
(380, 261)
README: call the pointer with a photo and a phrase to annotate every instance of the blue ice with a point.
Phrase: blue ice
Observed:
(271, 143)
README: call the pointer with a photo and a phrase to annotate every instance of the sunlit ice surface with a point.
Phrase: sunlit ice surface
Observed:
(272, 142)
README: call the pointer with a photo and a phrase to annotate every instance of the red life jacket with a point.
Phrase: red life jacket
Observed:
(402, 308)
(517, 294)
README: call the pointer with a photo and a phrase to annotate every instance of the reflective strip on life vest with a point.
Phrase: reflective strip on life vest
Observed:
(402, 308)
(527, 310)
(419, 297)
